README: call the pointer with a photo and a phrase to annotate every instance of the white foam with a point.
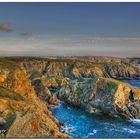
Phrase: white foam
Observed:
(132, 131)
(135, 121)
(67, 129)
(68, 107)
(129, 130)
(92, 133)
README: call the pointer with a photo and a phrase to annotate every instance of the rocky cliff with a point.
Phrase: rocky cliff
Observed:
(103, 95)
(22, 113)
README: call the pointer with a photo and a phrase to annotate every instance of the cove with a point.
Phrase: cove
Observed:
(80, 124)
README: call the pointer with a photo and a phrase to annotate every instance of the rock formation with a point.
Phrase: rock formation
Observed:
(103, 95)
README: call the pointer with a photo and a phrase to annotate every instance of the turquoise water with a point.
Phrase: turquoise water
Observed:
(79, 124)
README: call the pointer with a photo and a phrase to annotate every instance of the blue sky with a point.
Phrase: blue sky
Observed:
(70, 29)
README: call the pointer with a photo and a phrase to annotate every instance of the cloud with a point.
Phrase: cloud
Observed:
(116, 39)
(5, 27)
(43, 45)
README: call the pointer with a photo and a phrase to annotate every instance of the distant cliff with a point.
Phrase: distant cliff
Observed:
(134, 60)
(74, 67)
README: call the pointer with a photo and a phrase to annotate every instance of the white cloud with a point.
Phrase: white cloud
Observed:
(72, 45)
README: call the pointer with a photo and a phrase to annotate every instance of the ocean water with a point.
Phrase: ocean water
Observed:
(79, 124)
(135, 83)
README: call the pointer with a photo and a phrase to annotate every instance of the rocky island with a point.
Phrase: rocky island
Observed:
(29, 85)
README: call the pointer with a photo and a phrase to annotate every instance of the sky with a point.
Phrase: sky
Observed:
(70, 29)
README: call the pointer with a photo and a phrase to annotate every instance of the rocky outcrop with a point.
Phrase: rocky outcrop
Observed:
(103, 95)
(22, 113)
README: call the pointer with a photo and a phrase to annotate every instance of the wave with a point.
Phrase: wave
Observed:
(130, 130)
(137, 121)
(67, 129)
(92, 133)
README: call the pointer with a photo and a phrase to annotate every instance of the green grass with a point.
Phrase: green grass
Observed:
(112, 84)
(108, 87)
(78, 91)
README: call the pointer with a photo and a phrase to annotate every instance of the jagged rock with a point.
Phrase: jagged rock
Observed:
(106, 95)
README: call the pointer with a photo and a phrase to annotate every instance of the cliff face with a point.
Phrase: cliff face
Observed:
(103, 95)
(22, 113)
